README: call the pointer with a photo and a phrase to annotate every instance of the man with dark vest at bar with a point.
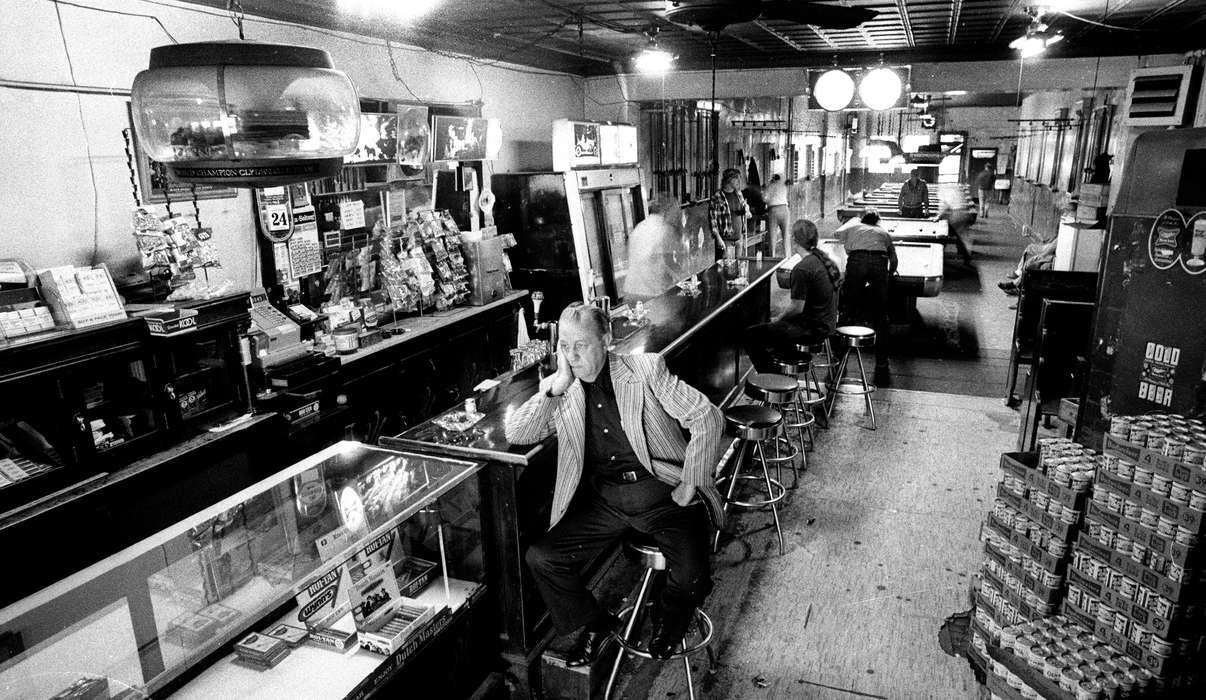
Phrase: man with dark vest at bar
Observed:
(623, 463)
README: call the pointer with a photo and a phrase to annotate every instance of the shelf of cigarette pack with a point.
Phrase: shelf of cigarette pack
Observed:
(1189, 475)
(1055, 526)
(1161, 666)
(1175, 552)
(355, 673)
(1138, 615)
(1029, 675)
(1028, 546)
(1030, 583)
(1024, 465)
(1186, 517)
(1173, 590)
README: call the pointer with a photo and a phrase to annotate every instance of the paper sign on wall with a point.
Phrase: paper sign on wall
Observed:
(1158, 373)
(351, 215)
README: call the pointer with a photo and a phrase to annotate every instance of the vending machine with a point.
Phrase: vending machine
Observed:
(572, 225)
(1148, 350)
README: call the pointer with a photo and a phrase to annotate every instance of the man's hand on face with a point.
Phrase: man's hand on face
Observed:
(683, 494)
(557, 383)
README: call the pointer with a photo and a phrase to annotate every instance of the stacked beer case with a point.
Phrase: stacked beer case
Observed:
(1027, 536)
(1137, 570)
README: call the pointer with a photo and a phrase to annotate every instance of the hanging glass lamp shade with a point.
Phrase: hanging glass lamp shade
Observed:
(244, 113)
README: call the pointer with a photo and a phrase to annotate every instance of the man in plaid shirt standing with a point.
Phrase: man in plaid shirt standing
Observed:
(727, 211)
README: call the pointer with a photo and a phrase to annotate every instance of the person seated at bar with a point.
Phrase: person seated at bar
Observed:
(656, 250)
(870, 264)
(727, 210)
(914, 199)
(812, 315)
(623, 463)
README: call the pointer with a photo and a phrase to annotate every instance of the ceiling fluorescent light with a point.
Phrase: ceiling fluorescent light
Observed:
(654, 61)
(834, 90)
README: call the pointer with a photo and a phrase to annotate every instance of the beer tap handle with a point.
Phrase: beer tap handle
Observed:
(537, 300)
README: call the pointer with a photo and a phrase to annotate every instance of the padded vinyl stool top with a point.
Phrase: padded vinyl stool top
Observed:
(792, 362)
(857, 336)
(751, 422)
(645, 550)
(771, 388)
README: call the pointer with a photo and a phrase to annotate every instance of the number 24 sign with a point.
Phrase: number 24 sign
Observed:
(276, 213)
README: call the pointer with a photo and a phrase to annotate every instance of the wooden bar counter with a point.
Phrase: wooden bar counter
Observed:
(699, 335)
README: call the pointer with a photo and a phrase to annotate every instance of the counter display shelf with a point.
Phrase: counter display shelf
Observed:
(316, 546)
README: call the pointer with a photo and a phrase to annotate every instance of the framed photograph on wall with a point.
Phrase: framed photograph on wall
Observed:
(465, 138)
(154, 187)
(414, 136)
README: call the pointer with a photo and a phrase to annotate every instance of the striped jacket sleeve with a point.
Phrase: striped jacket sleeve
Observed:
(533, 420)
(694, 412)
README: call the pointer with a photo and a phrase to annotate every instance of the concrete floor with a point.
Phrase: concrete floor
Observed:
(882, 539)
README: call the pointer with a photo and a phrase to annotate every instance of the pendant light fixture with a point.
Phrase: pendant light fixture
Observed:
(245, 114)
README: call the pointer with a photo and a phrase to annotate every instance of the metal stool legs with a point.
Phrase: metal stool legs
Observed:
(628, 642)
(629, 626)
(842, 384)
(775, 492)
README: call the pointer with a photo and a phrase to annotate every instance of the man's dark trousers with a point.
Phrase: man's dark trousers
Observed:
(599, 515)
(866, 294)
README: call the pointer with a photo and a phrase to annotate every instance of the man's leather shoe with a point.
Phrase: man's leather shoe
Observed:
(591, 641)
(668, 633)
(1006, 285)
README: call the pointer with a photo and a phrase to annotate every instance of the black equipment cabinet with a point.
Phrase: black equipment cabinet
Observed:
(75, 403)
(199, 376)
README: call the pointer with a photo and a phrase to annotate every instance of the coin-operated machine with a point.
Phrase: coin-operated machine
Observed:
(1148, 351)
(572, 225)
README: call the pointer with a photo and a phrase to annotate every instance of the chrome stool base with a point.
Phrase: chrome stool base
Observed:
(857, 338)
(631, 614)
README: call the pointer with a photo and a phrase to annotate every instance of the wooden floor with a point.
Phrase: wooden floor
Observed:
(881, 543)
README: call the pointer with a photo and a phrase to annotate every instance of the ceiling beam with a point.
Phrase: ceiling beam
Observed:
(903, 9)
(1111, 8)
(1168, 7)
(953, 27)
(779, 35)
(822, 36)
(1005, 17)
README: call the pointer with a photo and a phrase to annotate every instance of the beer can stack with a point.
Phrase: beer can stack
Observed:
(1027, 536)
(1137, 567)
(1057, 659)
(1027, 544)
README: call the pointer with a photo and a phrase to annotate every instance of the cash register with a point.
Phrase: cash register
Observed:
(293, 377)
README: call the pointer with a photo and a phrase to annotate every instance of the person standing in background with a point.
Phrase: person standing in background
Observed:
(870, 264)
(726, 212)
(775, 194)
(656, 250)
(985, 179)
(914, 200)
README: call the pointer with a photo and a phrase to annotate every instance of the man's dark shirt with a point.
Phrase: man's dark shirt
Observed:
(608, 452)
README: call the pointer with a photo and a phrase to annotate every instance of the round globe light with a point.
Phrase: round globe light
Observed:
(880, 89)
(834, 90)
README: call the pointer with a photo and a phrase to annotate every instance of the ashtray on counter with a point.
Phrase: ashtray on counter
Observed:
(458, 421)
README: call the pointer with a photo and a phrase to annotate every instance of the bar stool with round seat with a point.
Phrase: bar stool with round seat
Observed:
(647, 552)
(798, 416)
(856, 338)
(753, 425)
(815, 394)
(779, 392)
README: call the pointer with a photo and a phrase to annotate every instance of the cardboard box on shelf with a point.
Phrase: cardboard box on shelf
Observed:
(81, 297)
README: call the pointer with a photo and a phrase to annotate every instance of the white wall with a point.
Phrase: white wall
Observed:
(46, 196)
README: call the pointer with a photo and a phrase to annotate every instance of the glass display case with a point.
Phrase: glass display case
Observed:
(349, 560)
(75, 404)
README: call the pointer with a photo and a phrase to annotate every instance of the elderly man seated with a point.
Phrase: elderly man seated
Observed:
(623, 463)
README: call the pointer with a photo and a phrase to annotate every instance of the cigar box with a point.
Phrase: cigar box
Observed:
(408, 618)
